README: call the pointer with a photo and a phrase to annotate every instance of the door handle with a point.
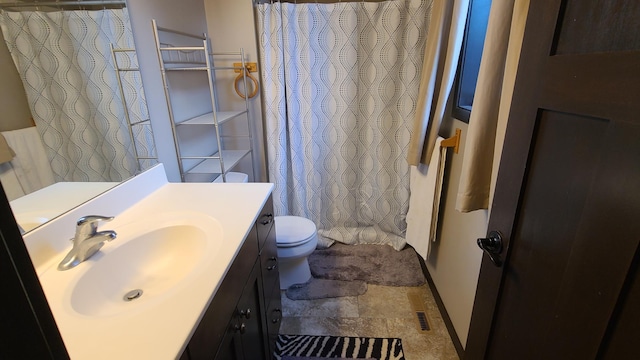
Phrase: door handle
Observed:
(492, 246)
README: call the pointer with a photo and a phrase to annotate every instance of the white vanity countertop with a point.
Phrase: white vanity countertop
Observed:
(164, 332)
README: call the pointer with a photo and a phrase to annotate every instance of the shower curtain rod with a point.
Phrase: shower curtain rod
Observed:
(61, 4)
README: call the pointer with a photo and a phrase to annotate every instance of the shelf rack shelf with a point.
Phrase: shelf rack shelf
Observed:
(208, 118)
(172, 58)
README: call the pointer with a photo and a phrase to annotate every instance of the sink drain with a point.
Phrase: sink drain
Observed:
(132, 295)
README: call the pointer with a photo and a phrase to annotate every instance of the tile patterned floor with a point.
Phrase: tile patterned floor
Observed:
(383, 311)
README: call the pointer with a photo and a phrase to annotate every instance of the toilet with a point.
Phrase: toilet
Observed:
(296, 238)
(233, 177)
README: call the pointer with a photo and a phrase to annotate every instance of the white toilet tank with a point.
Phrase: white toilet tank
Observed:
(233, 177)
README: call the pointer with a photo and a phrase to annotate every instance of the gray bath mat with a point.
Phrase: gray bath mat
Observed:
(323, 288)
(373, 264)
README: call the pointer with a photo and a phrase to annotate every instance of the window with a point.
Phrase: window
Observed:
(472, 44)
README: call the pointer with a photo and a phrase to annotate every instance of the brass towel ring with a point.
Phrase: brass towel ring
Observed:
(240, 78)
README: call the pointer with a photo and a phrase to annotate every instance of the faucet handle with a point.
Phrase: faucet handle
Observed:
(87, 225)
(93, 218)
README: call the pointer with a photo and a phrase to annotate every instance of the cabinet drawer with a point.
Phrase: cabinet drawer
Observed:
(269, 262)
(265, 221)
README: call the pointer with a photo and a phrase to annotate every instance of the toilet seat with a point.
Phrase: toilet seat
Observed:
(292, 231)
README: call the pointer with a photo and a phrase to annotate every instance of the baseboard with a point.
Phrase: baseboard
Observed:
(445, 315)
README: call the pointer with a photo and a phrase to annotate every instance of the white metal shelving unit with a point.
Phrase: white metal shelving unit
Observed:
(172, 58)
(146, 156)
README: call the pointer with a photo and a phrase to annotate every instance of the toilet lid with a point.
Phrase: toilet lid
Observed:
(293, 230)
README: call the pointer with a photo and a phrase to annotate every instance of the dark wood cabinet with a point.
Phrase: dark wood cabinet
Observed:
(270, 276)
(243, 319)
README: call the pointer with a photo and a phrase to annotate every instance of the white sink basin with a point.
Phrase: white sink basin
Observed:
(153, 263)
(149, 262)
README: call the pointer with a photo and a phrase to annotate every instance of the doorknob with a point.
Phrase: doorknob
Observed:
(492, 246)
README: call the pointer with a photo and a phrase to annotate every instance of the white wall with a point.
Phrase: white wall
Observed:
(184, 15)
(454, 262)
(231, 27)
(13, 100)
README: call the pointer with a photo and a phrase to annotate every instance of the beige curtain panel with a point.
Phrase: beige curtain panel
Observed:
(491, 104)
(446, 30)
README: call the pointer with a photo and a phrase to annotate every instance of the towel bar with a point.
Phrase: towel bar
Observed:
(453, 141)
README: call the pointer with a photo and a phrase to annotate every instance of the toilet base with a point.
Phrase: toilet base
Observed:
(294, 271)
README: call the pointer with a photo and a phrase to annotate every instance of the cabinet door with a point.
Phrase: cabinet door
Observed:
(273, 318)
(231, 345)
(250, 316)
(214, 325)
(244, 337)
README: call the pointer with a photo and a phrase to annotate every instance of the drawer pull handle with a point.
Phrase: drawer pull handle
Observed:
(277, 319)
(246, 313)
(272, 267)
(242, 328)
(269, 220)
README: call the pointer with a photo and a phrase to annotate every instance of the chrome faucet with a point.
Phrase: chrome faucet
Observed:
(87, 241)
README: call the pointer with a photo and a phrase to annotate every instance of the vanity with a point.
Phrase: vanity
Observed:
(192, 273)
(243, 320)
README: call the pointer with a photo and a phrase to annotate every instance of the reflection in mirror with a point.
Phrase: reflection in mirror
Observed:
(88, 127)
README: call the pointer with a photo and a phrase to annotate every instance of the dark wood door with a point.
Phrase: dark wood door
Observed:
(568, 194)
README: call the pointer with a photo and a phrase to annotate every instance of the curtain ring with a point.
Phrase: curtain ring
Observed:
(239, 78)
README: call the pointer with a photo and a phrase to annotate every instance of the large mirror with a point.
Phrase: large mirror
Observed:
(74, 121)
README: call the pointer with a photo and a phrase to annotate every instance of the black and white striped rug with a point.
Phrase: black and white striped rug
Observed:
(332, 347)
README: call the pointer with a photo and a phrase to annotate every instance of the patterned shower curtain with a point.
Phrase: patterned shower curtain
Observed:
(341, 85)
(65, 63)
